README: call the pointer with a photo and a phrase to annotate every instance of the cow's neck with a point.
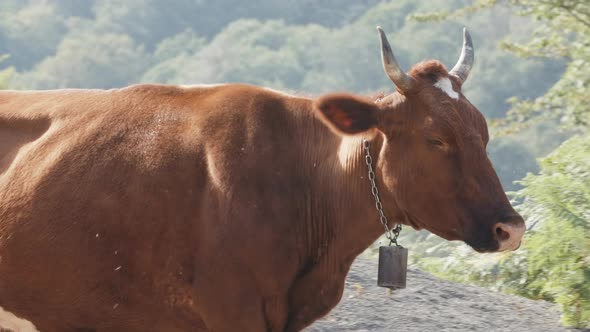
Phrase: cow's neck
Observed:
(346, 219)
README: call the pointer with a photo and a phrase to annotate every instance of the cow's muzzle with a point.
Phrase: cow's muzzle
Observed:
(509, 233)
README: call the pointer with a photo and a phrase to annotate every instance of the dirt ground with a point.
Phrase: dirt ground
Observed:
(432, 305)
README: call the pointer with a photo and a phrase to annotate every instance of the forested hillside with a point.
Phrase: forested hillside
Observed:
(312, 47)
(305, 46)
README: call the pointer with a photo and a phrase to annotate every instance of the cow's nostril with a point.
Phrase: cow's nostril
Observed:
(501, 233)
(509, 233)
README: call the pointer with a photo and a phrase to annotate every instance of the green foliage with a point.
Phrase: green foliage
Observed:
(217, 41)
(5, 73)
(110, 60)
(558, 199)
(171, 54)
(30, 34)
(562, 30)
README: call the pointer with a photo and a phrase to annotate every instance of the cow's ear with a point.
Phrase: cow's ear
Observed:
(347, 114)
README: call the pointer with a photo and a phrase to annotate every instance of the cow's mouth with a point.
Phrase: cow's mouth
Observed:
(484, 247)
(485, 250)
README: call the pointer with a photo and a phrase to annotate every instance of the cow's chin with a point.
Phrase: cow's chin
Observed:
(449, 228)
(452, 234)
(492, 246)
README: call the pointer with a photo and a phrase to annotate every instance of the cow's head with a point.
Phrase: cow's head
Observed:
(433, 164)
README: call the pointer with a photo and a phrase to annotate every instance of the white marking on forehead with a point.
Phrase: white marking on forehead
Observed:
(9, 321)
(444, 83)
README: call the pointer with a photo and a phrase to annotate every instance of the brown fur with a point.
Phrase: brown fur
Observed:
(230, 208)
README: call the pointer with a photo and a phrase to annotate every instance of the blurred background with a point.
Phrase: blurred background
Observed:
(531, 80)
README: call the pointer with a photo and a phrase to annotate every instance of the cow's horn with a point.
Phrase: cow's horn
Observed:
(463, 66)
(392, 68)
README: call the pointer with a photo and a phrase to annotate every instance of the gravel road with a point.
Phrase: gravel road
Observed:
(431, 304)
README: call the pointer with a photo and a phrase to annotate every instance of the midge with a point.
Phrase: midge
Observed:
(229, 207)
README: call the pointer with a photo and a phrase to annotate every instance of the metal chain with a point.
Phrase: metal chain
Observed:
(390, 234)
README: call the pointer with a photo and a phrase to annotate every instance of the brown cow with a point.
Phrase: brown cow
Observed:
(230, 207)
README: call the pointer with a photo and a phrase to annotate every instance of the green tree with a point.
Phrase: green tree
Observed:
(89, 59)
(171, 54)
(558, 249)
(247, 51)
(564, 32)
(30, 34)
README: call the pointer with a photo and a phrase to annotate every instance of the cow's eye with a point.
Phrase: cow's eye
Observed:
(435, 142)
